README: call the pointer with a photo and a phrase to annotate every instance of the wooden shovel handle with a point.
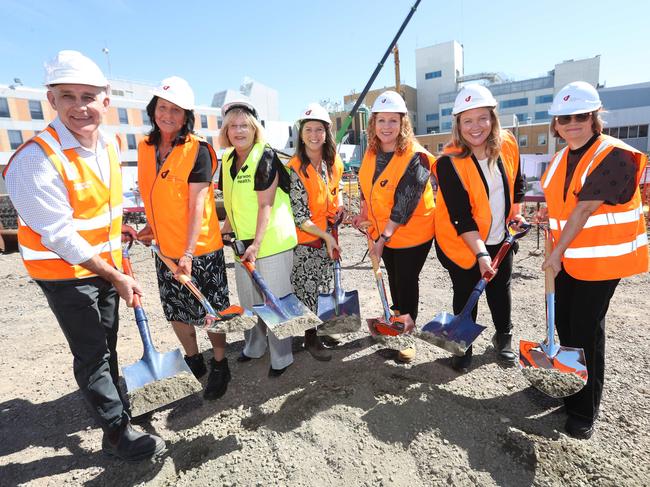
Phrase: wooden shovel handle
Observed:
(549, 275)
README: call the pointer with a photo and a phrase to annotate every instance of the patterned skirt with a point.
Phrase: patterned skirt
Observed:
(209, 274)
(312, 274)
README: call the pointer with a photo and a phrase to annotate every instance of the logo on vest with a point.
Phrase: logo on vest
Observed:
(164, 174)
(83, 185)
(334, 192)
(566, 98)
(468, 98)
(383, 183)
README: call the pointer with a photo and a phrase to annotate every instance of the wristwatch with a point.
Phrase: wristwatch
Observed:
(386, 239)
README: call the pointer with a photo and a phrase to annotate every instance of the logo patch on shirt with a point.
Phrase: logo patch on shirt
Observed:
(164, 174)
(82, 185)
(383, 183)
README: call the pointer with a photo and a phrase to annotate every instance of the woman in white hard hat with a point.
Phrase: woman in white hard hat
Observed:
(595, 216)
(480, 188)
(175, 171)
(397, 198)
(316, 172)
(255, 188)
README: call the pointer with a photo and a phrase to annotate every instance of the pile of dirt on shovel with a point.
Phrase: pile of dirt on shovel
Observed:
(162, 392)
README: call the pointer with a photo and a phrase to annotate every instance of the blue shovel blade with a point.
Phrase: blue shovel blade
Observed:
(153, 367)
(454, 333)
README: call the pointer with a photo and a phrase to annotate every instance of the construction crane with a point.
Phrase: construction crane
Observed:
(397, 77)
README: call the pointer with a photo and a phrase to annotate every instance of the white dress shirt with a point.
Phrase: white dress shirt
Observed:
(41, 199)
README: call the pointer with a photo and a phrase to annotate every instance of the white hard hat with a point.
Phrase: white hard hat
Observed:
(177, 91)
(315, 112)
(389, 101)
(574, 98)
(72, 67)
(473, 96)
(239, 103)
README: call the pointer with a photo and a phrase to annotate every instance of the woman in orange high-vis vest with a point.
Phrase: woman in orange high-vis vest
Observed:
(397, 199)
(175, 171)
(316, 172)
(596, 218)
(480, 188)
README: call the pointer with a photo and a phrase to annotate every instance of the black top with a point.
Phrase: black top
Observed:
(410, 187)
(202, 170)
(613, 181)
(457, 199)
(267, 168)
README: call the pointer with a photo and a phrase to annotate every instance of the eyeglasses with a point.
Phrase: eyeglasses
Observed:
(580, 117)
(243, 127)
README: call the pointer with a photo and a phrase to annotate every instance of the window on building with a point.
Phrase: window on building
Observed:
(544, 99)
(145, 118)
(622, 132)
(15, 138)
(338, 123)
(446, 126)
(433, 130)
(522, 117)
(516, 102)
(432, 117)
(123, 116)
(209, 139)
(36, 109)
(543, 115)
(523, 141)
(290, 131)
(643, 130)
(117, 92)
(542, 139)
(219, 122)
(440, 146)
(4, 108)
(433, 74)
(130, 142)
(204, 121)
(291, 144)
(633, 132)
(613, 131)
(445, 112)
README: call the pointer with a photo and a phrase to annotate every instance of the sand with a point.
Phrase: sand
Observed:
(162, 392)
(552, 382)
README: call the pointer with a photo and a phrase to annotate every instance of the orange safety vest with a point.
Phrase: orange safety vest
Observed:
(323, 197)
(447, 237)
(166, 198)
(380, 197)
(613, 242)
(96, 212)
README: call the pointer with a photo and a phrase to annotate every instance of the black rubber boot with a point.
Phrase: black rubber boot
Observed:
(217, 380)
(130, 445)
(314, 346)
(461, 364)
(503, 345)
(196, 363)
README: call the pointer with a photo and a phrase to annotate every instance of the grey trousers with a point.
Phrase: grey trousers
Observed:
(276, 271)
(87, 312)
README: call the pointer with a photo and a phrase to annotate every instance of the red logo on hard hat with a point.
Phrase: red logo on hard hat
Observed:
(566, 98)
(308, 112)
(166, 87)
(468, 98)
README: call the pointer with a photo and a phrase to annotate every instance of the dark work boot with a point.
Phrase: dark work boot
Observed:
(461, 364)
(217, 380)
(196, 363)
(314, 346)
(503, 345)
(130, 445)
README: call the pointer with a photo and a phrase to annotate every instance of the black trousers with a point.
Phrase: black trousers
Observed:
(403, 267)
(580, 309)
(497, 290)
(87, 312)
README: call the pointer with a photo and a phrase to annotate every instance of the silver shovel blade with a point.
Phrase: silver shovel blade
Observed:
(293, 319)
(454, 333)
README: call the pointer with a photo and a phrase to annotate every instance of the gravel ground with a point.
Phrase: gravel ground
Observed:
(359, 420)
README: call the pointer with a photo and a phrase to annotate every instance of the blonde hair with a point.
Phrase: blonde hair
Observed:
(224, 141)
(404, 139)
(596, 124)
(493, 143)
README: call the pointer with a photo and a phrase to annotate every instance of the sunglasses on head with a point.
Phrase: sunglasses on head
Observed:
(580, 117)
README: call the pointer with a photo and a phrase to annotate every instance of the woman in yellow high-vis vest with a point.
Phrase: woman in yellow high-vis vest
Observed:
(596, 218)
(255, 188)
(480, 190)
(397, 199)
(175, 171)
(316, 172)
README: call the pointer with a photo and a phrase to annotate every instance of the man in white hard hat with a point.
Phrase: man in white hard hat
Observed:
(65, 184)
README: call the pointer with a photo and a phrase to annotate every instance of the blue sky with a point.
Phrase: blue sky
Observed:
(314, 50)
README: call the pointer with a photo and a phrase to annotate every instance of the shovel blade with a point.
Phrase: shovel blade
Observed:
(348, 318)
(291, 318)
(454, 333)
(158, 379)
(560, 375)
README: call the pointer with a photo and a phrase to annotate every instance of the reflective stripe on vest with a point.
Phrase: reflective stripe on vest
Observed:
(323, 197)
(240, 202)
(96, 212)
(453, 245)
(166, 198)
(613, 242)
(380, 196)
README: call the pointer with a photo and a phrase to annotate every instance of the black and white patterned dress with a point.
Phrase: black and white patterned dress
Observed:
(313, 270)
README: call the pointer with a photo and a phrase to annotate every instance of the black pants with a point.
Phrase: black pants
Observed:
(403, 267)
(87, 312)
(497, 290)
(580, 309)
